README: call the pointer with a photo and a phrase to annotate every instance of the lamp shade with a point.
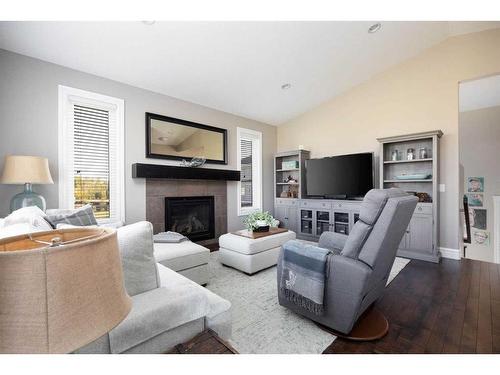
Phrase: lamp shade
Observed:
(19, 170)
(56, 299)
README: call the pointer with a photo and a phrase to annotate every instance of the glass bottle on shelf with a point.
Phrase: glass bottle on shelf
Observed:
(410, 154)
(394, 155)
(423, 153)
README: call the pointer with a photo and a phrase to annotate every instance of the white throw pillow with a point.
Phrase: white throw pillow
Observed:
(15, 230)
(33, 216)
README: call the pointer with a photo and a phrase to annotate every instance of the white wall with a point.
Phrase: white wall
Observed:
(28, 124)
(479, 145)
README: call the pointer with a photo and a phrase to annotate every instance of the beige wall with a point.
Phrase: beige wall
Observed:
(28, 125)
(417, 95)
(479, 145)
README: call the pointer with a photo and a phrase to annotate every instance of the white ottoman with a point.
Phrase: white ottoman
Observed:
(186, 257)
(251, 255)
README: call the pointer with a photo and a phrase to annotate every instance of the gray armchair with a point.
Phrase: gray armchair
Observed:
(359, 265)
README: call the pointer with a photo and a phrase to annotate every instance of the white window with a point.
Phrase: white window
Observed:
(250, 165)
(91, 153)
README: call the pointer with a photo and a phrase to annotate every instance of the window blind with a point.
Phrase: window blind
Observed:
(246, 173)
(91, 155)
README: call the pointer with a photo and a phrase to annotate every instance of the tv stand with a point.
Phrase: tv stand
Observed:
(360, 198)
(339, 196)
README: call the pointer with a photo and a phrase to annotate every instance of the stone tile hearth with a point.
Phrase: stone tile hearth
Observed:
(158, 189)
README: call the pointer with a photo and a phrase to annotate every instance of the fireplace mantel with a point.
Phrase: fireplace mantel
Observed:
(140, 170)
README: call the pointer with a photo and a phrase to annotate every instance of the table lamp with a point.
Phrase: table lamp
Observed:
(27, 170)
(60, 290)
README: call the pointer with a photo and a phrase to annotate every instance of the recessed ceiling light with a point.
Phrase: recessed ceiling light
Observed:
(149, 23)
(286, 86)
(374, 28)
(163, 139)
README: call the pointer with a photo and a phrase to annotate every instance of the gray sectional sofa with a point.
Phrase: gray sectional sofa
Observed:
(168, 308)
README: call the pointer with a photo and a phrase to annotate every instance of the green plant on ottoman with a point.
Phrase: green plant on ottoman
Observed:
(260, 222)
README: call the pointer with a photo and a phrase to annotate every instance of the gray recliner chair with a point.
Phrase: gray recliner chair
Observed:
(359, 265)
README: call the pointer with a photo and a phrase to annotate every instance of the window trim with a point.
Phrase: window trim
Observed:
(257, 187)
(67, 96)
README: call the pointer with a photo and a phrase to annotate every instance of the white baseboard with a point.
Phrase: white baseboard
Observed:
(450, 253)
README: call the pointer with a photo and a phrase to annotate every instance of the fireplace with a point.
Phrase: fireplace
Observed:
(191, 216)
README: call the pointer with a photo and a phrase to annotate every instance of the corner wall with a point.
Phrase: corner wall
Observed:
(417, 95)
(28, 125)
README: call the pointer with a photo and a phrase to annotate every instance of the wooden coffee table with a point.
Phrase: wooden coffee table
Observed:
(254, 235)
(207, 342)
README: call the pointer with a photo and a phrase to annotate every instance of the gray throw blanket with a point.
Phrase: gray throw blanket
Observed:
(304, 270)
(169, 237)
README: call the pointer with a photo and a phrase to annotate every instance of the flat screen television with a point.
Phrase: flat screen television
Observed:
(344, 176)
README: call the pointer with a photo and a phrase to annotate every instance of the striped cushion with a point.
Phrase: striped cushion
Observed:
(82, 216)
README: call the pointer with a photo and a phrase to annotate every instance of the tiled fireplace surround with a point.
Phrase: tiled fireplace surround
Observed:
(158, 189)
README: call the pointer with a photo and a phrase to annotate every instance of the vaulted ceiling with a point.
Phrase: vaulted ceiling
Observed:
(236, 67)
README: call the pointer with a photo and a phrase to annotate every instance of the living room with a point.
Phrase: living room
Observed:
(249, 187)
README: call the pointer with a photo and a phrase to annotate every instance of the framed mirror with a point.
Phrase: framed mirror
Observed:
(173, 138)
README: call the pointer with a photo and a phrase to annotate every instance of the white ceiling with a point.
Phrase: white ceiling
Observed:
(237, 67)
(479, 93)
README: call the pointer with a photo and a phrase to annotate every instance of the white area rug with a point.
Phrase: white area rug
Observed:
(260, 324)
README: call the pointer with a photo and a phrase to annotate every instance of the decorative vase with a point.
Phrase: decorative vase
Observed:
(27, 198)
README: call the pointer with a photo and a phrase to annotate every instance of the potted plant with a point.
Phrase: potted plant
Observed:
(260, 222)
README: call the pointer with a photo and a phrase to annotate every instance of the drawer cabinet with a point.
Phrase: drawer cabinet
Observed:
(287, 202)
(349, 205)
(423, 208)
(316, 204)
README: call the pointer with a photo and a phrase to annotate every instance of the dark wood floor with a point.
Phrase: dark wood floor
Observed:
(451, 307)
